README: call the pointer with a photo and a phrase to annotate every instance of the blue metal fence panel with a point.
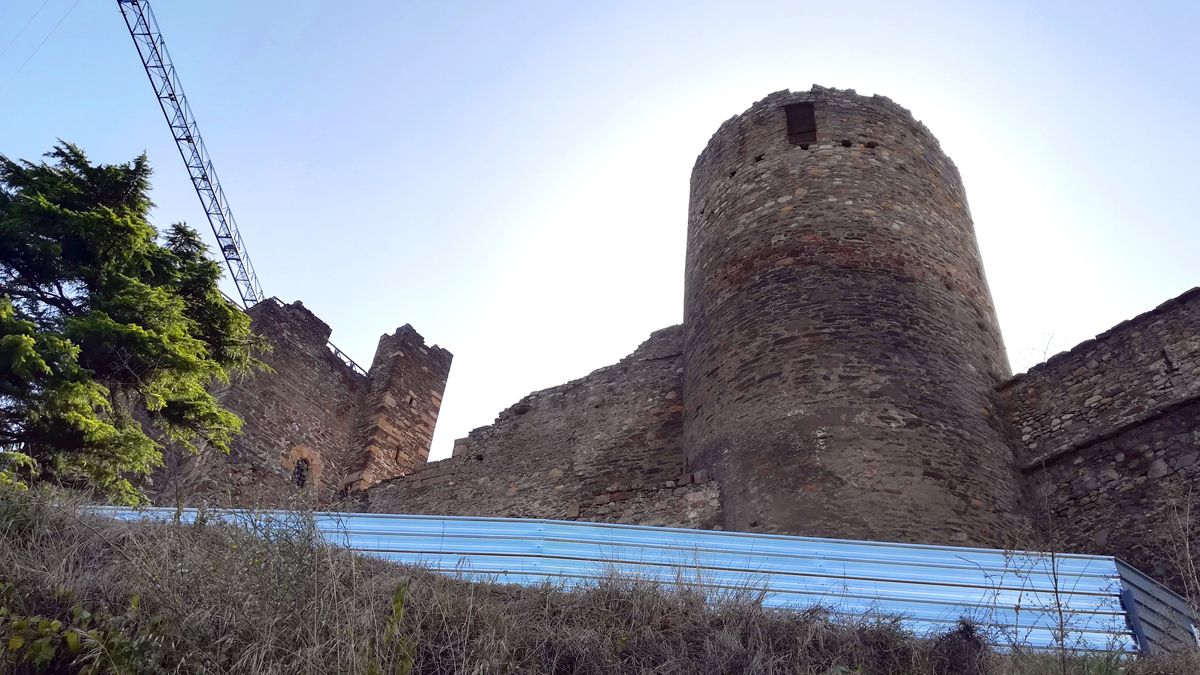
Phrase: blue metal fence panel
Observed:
(1036, 600)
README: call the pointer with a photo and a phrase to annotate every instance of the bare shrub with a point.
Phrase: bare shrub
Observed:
(1179, 539)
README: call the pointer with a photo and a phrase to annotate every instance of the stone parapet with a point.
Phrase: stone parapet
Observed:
(1129, 373)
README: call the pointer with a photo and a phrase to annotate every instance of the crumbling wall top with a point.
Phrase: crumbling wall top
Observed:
(1124, 376)
(1144, 319)
(407, 337)
(295, 313)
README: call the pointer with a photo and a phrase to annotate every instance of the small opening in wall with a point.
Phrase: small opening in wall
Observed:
(846, 143)
(758, 158)
(412, 400)
(1168, 365)
(801, 123)
(300, 473)
(732, 173)
(804, 146)
(872, 144)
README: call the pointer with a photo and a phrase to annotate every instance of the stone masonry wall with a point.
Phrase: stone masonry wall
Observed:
(1116, 495)
(401, 407)
(841, 349)
(838, 374)
(314, 427)
(605, 447)
(307, 408)
(1110, 434)
(1123, 375)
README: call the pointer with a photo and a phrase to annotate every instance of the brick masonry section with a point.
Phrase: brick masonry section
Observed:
(605, 447)
(313, 411)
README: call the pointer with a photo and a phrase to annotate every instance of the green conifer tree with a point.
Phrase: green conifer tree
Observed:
(105, 325)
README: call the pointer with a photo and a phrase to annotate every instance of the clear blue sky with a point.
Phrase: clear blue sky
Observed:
(512, 177)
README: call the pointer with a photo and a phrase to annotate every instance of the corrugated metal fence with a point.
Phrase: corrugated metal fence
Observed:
(1035, 600)
(1160, 618)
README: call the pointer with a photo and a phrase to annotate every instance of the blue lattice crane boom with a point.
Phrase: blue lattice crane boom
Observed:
(147, 37)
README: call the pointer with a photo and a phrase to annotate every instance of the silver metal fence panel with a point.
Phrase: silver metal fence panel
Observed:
(1035, 600)
(1161, 617)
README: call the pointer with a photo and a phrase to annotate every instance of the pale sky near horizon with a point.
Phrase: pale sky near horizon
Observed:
(511, 178)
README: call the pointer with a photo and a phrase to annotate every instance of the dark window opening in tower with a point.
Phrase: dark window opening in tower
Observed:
(801, 123)
(300, 473)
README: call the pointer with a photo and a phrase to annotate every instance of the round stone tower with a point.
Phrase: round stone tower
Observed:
(841, 347)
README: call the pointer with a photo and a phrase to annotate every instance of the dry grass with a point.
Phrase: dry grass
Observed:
(211, 598)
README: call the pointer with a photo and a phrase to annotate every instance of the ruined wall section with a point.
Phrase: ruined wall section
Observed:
(605, 447)
(305, 410)
(1129, 373)
(407, 380)
(1109, 434)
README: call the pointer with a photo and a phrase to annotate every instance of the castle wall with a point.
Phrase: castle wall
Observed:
(605, 447)
(842, 349)
(1119, 495)
(314, 428)
(1125, 375)
(401, 407)
(1110, 434)
(839, 372)
(306, 408)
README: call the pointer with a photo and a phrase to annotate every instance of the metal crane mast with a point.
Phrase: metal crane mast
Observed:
(143, 27)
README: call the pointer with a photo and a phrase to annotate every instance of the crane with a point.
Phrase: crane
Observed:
(147, 37)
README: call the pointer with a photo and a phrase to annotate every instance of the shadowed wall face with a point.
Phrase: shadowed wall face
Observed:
(841, 347)
(314, 428)
(1110, 439)
(300, 419)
